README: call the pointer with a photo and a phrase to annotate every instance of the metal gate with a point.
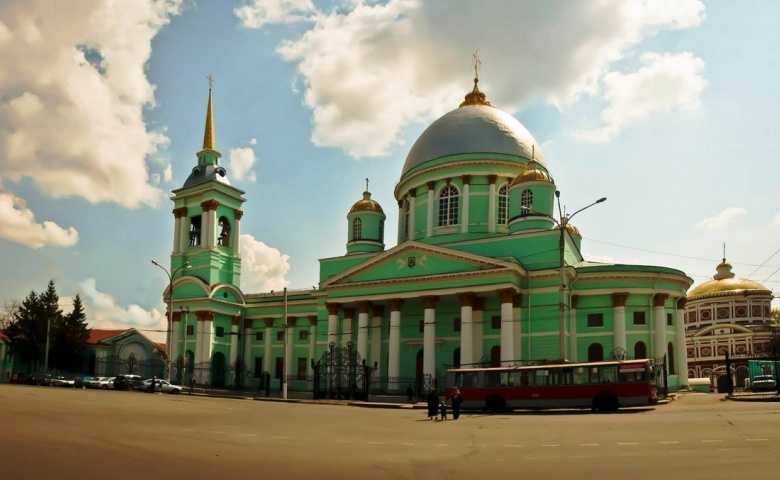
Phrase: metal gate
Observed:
(342, 374)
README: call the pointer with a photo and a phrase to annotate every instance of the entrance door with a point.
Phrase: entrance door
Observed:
(419, 373)
(218, 370)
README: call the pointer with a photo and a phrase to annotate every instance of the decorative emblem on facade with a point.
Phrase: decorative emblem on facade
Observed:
(411, 261)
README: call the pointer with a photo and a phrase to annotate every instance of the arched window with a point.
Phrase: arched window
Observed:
(357, 225)
(670, 358)
(640, 350)
(503, 202)
(224, 232)
(405, 213)
(595, 352)
(448, 206)
(526, 202)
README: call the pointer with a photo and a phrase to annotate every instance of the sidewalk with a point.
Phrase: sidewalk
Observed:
(377, 401)
(754, 397)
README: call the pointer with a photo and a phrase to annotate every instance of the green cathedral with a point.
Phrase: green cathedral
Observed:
(483, 272)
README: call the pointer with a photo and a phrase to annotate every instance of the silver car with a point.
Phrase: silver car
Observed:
(161, 386)
(763, 383)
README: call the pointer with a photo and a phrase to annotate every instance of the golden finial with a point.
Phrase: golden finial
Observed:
(209, 137)
(475, 97)
(366, 184)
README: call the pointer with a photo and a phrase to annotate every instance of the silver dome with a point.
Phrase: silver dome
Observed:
(472, 129)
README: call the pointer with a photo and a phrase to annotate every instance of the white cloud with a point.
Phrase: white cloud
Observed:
(369, 71)
(241, 162)
(664, 83)
(17, 224)
(263, 268)
(253, 141)
(103, 311)
(71, 109)
(168, 173)
(776, 220)
(722, 219)
(257, 13)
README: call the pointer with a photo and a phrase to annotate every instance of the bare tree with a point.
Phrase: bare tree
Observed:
(7, 312)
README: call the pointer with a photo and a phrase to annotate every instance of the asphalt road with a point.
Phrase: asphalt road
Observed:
(84, 434)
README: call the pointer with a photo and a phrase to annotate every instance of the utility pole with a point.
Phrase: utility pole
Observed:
(284, 348)
(46, 353)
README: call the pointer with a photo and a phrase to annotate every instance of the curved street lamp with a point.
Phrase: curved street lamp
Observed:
(171, 276)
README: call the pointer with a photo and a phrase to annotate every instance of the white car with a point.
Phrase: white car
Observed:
(106, 383)
(161, 386)
(763, 383)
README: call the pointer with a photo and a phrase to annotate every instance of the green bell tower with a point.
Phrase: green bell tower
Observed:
(365, 226)
(207, 212)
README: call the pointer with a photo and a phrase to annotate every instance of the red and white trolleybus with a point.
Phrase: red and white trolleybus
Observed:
(602, 386)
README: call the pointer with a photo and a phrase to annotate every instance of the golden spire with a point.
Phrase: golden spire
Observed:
(209, 138)
(475, 97)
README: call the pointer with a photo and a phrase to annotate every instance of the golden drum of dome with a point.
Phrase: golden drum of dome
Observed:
(724, 285)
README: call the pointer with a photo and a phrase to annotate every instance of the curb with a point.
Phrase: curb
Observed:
(740, 398)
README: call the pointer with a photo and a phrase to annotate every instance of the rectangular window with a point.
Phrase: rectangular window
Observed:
(280, 336)
(302, 361)
(456, 324)
(190, 330)
(259, 336)
(495, 322)
(595, 319)
(303, 335)
(639, 318)
(220, 332)
(669, 319)
(279, 367)
(258, 366)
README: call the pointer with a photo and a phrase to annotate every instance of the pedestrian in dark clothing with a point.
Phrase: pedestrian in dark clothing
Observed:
(443, 409)
(433, 405)
(457, 399)
(409, 394)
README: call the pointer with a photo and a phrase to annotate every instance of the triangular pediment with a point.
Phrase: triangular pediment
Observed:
(415, 259)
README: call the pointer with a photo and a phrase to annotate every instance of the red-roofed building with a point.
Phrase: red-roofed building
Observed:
(128, 351)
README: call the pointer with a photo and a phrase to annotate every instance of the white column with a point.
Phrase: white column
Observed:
(376, 341)
(507, 328)
(573, 330)
(478, 330)
(429, 217)
(400, 221)
(268, 352)
(492, 204)
(412, 210)
(234, 348)
(235, 237)
(346, 327)
(466, 329)
(516, 313)
(659, 326)
(288, 351)
(333, 323)
(174, 343)
(184, 234)
(209, 223)
(199, 331)
(394, 346)
(429, 338)
(249, 360)
(464, 218)
(619, 322)
(682, 349)
(177, 235)
(312, 345)
(362, 335)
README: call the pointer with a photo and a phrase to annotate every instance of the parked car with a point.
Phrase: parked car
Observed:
(43, 379)
(106, 383)
(763, 383)
(92, 382)
(61, 381)
(128, 382)
(161, 386)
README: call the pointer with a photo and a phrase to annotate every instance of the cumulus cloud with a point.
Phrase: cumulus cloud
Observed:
(103, 311)
(370, 70)
(257, 13)
(71, 108)
(167, 173)
(253, 141)
(722, 219)
(664, 83)
(263, 268)
(242, 160)
(17, 224)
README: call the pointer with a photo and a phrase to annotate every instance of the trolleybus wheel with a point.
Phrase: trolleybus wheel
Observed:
(605, 402)
(495, 403)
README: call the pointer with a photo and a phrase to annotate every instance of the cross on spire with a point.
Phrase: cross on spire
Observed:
(477, 64)
(366, 184)
(211, 81)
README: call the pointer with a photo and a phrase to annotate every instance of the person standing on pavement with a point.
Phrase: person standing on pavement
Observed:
(457, 399)
(433, 405)
(443, 409)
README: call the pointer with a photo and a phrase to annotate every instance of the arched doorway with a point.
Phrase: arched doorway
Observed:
(456, 358)
(595, 352)
(640, 350)
(418, 378)
(218, 370)
(495, 356)
(741, 372)
(188, 367)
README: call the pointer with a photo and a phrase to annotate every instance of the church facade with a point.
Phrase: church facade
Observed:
(482, 273)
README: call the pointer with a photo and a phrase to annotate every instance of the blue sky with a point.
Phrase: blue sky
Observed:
(668, 111)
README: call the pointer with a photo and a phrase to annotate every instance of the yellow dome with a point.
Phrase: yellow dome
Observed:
(533, 173)
(366, 204)
(573, 231)
(724, 281)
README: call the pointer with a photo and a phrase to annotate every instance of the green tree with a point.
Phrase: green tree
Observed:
(70, 339)
(27, 332)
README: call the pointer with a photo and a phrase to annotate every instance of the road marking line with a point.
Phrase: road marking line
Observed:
(712, 441)
(375, 443)
(514, 445)
(277, 437)
(756, 439)
(442, 445)
(551, 444)
(669, 442)
(589, 444)
(627, 444)
(408, 444)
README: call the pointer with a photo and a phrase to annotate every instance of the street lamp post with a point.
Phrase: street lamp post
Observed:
(171, 276)
(562, 222)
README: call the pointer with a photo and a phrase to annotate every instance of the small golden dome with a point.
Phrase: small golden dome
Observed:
(573, 231)
(366, 204)
(474, 97)
(724, 281)
(532, 173)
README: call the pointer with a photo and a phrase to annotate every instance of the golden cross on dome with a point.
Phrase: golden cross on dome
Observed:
(477, 64)
(366, 184)
(211, 81)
